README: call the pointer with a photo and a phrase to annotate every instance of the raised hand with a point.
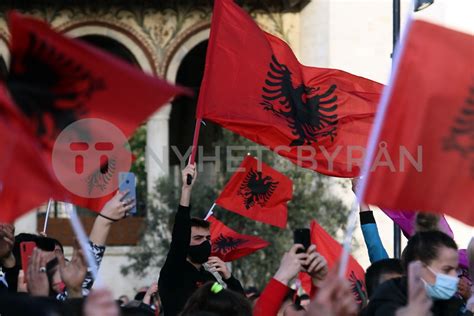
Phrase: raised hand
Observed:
(73, 272)
(100, 302)
(37, 279)
(334, 298)
(316, 265)
(149, 293)
(7, 239)
(418, 302)
(186, 188)
(290, 265)
(118, 206)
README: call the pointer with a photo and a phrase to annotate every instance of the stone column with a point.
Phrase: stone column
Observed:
(157, 146)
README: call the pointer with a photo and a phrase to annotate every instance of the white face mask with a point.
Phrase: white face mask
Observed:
(444, 288)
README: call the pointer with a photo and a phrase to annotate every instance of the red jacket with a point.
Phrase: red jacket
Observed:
(271, 299)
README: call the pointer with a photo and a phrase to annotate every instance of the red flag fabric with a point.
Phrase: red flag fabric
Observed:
(259, 192)
(253, 85)
(430, 117)
(230, 245)
(55, 82)
(331, 250)
(26, 178)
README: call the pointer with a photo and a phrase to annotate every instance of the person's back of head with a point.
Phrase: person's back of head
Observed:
(212, 298)
(426, 222)
(381, 271)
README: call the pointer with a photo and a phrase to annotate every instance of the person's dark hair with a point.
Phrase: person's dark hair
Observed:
(198, 222)
(373, 275)
(225, 302)
(426, 222)
(424, 246)
(43, 243)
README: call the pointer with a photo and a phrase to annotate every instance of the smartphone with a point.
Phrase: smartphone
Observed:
(26, 250)
(302, 236)
(127, 182)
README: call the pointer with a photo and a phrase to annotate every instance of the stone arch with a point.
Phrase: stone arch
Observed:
(136, 45)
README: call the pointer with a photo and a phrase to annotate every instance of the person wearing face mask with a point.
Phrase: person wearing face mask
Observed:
(188, 264)
(438, 254)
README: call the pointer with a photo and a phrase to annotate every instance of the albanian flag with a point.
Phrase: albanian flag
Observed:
(254, 86)
(430, 108)
(79, 105)
(331, 250)
(259, 192)
(230, 245)
(26, 177)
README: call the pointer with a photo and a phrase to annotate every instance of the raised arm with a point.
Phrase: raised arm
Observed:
(181, 234)
(114, 210)
(370, 231)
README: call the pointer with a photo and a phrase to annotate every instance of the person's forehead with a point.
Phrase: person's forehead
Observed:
(199, 231)
(448, 255)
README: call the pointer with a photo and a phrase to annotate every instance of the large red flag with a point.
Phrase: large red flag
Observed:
(56, 82)
(330, 249)
(26, 178)
(430, 116)
(230, 245)
(253, 85)
(259, 192)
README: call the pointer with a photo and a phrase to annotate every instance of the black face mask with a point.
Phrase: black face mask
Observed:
(200, 253)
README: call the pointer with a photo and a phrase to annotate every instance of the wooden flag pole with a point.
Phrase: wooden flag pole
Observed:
(47, 215)
(192, 159)
(209, 213)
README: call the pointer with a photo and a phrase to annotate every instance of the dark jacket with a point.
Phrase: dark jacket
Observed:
(392, 295)
(179, 278)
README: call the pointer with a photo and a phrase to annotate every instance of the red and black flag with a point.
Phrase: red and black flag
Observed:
(259, 192)
(26, 177)
(430, 110)
(331, 250)
(55, 82)
(253, 85)
(230, 245)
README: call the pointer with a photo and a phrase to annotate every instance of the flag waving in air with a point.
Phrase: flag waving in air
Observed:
(230, 245)
(259, 192)
(253, 85)
(74, 101)
(430, 114)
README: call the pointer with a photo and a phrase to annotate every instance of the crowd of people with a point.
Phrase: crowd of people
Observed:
(427, 280)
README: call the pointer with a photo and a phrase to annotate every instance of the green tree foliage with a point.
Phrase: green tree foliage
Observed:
(311, 199)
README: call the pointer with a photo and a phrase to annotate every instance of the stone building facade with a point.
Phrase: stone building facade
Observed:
(159, 35)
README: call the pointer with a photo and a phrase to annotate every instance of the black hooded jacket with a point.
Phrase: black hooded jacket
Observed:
(178, 278)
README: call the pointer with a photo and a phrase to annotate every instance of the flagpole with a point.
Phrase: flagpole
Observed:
(397, 236)
(209, 213)
(83, 242)
(371, 148)
(47, 215)
(197, 128)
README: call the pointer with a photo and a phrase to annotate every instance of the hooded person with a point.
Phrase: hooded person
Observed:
(189, 263)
